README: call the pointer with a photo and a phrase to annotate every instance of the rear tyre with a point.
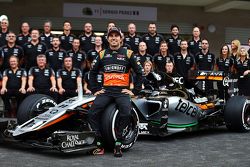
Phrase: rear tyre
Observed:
(237, 114)
(110, 120)
(34, 105)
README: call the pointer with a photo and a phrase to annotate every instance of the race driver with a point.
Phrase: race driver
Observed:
(115, 63)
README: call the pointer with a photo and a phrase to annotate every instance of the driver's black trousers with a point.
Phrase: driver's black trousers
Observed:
(123, 103)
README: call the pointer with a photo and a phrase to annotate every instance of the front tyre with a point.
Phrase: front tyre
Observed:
(34, 105)
(110, 120)
(237, 114)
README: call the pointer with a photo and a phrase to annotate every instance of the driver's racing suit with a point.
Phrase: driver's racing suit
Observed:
(115, 66)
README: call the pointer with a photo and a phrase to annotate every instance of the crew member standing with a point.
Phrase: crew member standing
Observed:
(194, 45)
(184, 62)
(132, 39)
(67, 37)
(224, 63)
(142, 55)
(24, 37)
(152, 39)
(205, 61)
(162, 57)
(78, 56)
(242, 67)
(87, 39)
(11, 49)
(55, 55)
(47, 37)
(174, 41)
(33, 49)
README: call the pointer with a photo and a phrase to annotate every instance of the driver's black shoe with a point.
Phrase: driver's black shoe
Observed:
(117, 149)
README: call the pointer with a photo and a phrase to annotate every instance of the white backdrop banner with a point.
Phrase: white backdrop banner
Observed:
(109, 11)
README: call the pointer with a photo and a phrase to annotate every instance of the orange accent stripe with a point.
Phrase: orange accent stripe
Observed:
(205, 106)
(84, 106)
(57, 120)
(200, 77)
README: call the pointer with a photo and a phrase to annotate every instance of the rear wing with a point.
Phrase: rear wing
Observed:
(206, 75)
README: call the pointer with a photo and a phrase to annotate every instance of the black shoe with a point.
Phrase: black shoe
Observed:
(117, 149)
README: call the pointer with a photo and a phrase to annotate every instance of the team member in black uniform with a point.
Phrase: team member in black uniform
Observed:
(78, 56)
(152, 39)
(170, 70)
(205, 61)
(224, 63)
(242, 67)
(69, 80)
(87, 39)
(24, 37)
(105, 43)
(147, 68)
(13, 84)
(47, 37)
(66, 38)
(174, 41)
(11, 49)
(4, 31)
(33, 49)
(235, 49)
(92, 54)
(184, 62)
(42, 79)
(142, 55)
(194, 45)
(115, 63)
(162, 57)
(55, 55)
(132, 39)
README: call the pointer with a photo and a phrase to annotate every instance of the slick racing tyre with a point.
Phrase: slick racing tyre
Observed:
(110, 121)
(237, 114)
(34, 105)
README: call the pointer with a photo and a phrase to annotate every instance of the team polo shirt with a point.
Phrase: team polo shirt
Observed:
(194, 47)
(32, 51)
(7, 52)
(153, 43)
(21, 39)
(66, 41)
(41, 77)
(87, 42)
(3, 40)
(105, 43)
(91, 55)
(133, 42)
(55, 58)
(160, 61)
(14, 78)
(142, 58)
(241, 67)
(205, 61)
(69, 78)
(78, 58)
(174, 45)
(182, 65)
(224, 64)
(47, 39)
